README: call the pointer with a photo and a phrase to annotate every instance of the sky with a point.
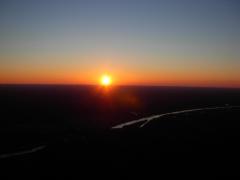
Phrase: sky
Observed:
(138, 42)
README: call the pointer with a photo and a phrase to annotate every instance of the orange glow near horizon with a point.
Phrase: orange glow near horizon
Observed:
(117, 76)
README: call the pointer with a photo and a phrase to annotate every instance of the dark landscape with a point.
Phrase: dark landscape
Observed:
(69, 130)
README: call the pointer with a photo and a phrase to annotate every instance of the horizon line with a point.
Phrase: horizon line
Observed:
(119, 85)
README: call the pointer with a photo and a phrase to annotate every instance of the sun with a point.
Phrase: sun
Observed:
(106, 80)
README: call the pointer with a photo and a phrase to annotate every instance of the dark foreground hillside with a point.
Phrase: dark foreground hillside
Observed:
(73, 132)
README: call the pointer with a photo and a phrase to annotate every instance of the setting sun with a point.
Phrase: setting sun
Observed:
(106, 80)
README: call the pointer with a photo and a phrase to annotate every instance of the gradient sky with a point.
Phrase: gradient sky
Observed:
(146, 42)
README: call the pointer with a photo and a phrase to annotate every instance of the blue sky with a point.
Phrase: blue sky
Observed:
(171, 36)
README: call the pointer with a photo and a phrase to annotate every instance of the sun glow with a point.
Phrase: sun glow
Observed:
(106, 80)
